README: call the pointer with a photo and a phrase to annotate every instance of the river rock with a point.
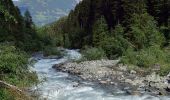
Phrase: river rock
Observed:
(122, 67)
(57, 66)
(103, 82)
(109, 72)
(132, 72)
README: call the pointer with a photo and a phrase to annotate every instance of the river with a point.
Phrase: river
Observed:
(61, 86)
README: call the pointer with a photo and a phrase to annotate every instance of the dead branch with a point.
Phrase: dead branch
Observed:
(14, 88)
(7, 85)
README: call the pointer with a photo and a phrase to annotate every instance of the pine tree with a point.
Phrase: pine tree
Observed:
(144, 31)
(100, 31)
(160, 10)
(28, 19)
(129, 8)
(164, 14)
(11, 21)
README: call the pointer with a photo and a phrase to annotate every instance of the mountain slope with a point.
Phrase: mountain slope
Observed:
(46, 11)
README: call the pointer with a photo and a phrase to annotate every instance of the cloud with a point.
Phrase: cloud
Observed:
(78, 1)
(15, 0)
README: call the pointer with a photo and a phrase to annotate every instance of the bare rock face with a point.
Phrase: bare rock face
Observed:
(109, 72)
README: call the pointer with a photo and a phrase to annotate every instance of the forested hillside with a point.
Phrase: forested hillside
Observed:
(17, 39)
(122, 28)
(81, 21)
(16, 28)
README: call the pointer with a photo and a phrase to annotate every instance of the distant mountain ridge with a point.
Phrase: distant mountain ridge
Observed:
(46, 11)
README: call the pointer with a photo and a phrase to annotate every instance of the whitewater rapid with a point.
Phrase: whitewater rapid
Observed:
(61, 86)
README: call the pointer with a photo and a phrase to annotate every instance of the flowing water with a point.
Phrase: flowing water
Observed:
(61, 86)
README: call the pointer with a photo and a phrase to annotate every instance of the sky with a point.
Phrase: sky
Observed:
(75, 0)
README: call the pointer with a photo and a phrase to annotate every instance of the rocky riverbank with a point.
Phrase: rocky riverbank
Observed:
(110, 73)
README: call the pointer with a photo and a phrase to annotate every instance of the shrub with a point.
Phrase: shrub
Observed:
(4, 95)
(165, 69)
(93, 53)
(12, 60)
(114, 47)
(147, 58)
(129, 57)
(14, 70)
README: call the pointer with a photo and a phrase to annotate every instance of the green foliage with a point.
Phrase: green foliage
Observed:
(14, 69)
(115, 44)
(145, 57)
(11, 60)
(48, 51)
(112, 43)
(91, 22)
(28, 20)
(160, 10)
(17, 28)
(56, 31)
(19, 36)
(100, 31)
(145, 32)
(146, 40)
(13, 63)
(7, 15)
(45, 38)
(87, 17)
(129, 57)
(67, 43)
(91, 53)
(166, 31)
(148, 58)
(54, 35)
(165, 69)
(4, 95)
